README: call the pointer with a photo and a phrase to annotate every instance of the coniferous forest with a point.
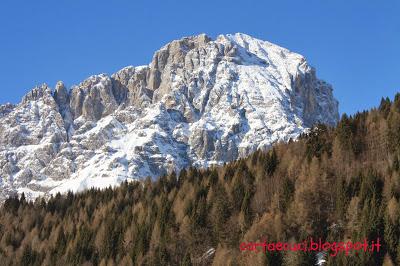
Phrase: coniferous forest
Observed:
(338, 184)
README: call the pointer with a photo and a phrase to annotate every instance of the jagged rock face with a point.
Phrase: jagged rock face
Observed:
(130, 87)
(199, 102)
(5, 109)
(93, 98)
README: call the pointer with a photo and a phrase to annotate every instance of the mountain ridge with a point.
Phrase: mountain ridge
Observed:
(200, 101)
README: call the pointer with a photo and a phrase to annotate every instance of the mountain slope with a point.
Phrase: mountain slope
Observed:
(337, 184)
(199, 102)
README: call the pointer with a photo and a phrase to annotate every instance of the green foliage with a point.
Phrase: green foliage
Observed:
(186, 261)
(271, 162)
(317, 142)
(384, 107)
(392, 235)
(286, 197)
(29, 257)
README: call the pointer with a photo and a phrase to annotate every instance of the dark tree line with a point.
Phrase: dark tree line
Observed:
(335, 183)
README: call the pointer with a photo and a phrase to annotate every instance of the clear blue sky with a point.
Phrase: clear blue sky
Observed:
(353, 44)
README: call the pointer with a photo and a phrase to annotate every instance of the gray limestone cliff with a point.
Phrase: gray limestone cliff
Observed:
(199, 102)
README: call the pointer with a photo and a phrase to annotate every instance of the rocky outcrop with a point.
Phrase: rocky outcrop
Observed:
(198, 102)
(93, 98)
(5, 109)
(130, 87)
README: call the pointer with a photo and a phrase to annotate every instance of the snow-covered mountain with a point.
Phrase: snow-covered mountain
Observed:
(198, 102)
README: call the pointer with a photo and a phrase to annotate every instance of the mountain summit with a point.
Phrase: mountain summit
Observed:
(199, 102)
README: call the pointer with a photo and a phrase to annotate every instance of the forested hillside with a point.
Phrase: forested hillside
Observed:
(335, 183)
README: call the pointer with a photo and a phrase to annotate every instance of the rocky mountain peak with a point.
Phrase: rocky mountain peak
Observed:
(199, 102)
(37, 93)
(61, 95)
